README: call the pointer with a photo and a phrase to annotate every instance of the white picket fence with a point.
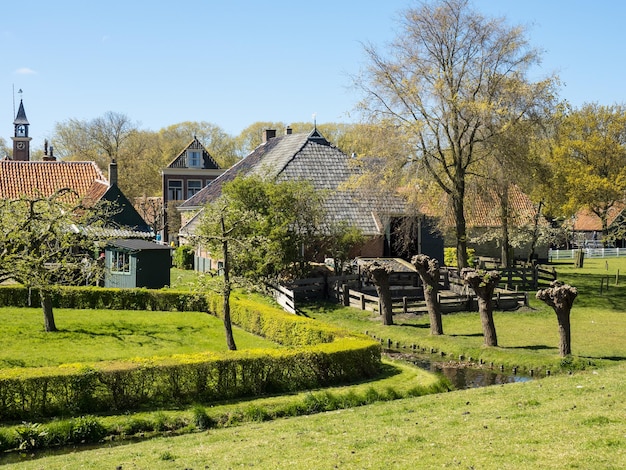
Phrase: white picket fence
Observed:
(554, 255)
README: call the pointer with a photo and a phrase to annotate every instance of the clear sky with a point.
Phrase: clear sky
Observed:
(236, 62)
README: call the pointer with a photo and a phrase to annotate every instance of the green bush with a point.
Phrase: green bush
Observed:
(81, 297)
(183, 257)
(449, 256)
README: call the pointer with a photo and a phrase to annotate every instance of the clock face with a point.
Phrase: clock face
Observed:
(20, 145)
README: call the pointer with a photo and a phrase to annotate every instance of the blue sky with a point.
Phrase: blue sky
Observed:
(236, 62)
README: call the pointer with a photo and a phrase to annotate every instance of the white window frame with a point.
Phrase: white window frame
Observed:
(194, 158)
(120, 262)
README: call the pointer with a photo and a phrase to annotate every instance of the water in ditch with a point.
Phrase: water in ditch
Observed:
(461, 375)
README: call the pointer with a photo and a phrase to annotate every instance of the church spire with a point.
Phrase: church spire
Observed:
(21, 140)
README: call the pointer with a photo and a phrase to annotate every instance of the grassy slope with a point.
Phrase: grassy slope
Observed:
(560, 422)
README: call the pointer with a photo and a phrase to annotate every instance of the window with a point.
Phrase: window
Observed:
(193, 186)
(194, 159)
(120, 262)
(174, 190)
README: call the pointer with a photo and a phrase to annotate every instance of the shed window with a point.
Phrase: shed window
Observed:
(120, 262)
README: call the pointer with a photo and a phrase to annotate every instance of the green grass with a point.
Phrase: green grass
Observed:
(565, 421)
(560, 422)
(98, 335)
(527, 338)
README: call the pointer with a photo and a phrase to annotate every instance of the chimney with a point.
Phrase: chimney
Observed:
(46, 157)
(288, 130)
(268, 134)
(113, 173)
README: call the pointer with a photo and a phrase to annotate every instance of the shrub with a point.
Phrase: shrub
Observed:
(183, 257)
(201, 419)
(449, 256)
(87, 429)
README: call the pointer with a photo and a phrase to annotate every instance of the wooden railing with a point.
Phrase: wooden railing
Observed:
(449, 302)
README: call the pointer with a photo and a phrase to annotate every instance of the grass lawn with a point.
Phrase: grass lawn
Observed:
(576, 421)
(97, 335)
(527, 338)
(563, 421)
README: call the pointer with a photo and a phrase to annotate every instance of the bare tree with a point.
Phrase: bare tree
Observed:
(428, 269)
(561, 297)
(449, 74)
(484, 284)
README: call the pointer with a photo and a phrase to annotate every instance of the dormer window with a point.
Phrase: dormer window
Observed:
(194, 159)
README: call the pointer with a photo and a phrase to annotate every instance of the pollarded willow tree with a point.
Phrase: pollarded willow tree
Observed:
(447, 79)
(428, 270)
(561, 297)
(484, 284)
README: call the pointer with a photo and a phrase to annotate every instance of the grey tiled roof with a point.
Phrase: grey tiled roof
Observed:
(312, 158)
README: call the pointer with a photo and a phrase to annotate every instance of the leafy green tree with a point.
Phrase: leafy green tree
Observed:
(589, 159)
(447, 78)
(289, 215)
(41, 245)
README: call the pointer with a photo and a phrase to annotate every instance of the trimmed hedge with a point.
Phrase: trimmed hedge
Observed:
(319, 356)
(108, 298)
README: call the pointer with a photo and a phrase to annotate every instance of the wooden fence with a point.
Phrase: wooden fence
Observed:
(407, 291)
(518, 278)
(449, 301)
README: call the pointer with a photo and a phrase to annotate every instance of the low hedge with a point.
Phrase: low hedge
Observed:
(318, 356)
(110, 298)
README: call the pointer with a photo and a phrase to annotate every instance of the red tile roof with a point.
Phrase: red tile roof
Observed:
(587, 221)
(44, 178)
(482, 209)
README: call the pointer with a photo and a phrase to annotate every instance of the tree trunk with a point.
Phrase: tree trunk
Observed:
(505, 259)
(485, 309)
(565, 332)
(535, 237)
(428, 269)
(384, 294)
(460, 232)
(380, 276)
(48, 314)
(228, 327)
(561, 297)
(484, 284)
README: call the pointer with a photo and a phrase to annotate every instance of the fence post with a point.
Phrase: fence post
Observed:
(346, 295)
(404, 305)
(362, 301)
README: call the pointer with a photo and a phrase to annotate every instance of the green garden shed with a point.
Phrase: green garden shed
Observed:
(137, 263)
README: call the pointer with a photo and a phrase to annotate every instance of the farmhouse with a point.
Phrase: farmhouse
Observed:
(191, 170)
(310, 157)
(588, 232)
